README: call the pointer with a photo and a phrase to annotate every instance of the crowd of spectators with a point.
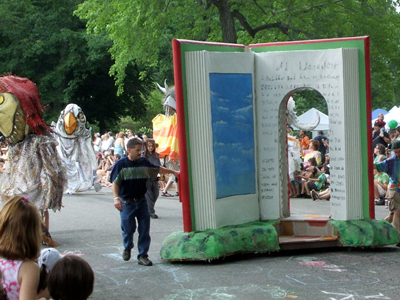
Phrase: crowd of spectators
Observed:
(311, 177)
(382, 141)
(386, 169)
(110, 147)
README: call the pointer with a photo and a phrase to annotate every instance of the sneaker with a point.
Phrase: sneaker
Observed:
(126, 255)
(379, 201)
(144, 261)
(153, 216)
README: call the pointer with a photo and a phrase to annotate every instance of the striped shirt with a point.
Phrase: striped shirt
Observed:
(131, 176)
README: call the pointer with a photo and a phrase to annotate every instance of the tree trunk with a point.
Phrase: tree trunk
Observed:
(227, 21)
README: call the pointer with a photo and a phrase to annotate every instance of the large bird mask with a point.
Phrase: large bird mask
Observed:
(72, 122)
(20, 110)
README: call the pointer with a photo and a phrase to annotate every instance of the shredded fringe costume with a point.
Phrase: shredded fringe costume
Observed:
(76, 150)
(34, 169)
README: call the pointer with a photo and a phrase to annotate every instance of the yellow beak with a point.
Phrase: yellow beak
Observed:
(69, 123)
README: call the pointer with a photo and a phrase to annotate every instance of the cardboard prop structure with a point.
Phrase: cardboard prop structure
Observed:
(33, 169)
(232, 116)
(76, 150)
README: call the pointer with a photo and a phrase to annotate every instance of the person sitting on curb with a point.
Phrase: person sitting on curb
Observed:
(316, 183)
(172, 166)
(380, 152)
(381, 181)
(312, 171)
(324, 195)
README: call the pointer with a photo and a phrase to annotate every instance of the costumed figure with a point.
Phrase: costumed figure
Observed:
(34, 169)
(76, 150)
(294, 151)
(165, 134)
(294, 156)
(293, 120)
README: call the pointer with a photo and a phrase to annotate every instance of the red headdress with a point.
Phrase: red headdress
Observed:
(27, 94)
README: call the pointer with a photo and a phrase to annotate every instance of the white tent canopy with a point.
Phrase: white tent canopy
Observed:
(310, 116)
(393, 114)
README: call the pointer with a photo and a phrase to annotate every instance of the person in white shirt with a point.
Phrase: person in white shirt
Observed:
(97, 142)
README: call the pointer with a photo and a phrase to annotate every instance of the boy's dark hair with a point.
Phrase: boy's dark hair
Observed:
(71, 278)
(132, 143)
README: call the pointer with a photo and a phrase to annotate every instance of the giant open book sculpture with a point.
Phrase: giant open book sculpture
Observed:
(232, 117)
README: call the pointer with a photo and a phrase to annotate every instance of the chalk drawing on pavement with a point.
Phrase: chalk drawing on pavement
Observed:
(331, 279)
(320, 264)
(226, 293)
(106, 276)
(116, 256)
(352, 295)
(337, 279)
(177, 273)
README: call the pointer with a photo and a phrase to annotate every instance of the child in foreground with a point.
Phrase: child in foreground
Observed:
(20, 243)
(71, 278)
(47, 259)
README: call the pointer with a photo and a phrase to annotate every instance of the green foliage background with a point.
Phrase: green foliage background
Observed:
(107, 55)
(144, 30)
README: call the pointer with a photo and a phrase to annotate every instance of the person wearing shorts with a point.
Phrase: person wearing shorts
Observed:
(381, 181)
(171, 165)
(316, 184)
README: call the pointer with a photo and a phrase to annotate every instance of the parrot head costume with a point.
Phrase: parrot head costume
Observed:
(21, 112)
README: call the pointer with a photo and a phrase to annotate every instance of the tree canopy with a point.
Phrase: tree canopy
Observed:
(45, 42)
(111, 72)
(142, 30)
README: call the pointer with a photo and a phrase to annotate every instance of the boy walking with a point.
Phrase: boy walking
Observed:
(129, 177)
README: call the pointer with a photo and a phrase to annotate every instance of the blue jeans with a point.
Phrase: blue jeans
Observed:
(140, 211)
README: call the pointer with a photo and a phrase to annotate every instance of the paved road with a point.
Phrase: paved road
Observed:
(89, 224)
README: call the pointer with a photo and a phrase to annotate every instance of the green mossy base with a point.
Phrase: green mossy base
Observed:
(366, 233)
(254, 237)
(262, 237)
